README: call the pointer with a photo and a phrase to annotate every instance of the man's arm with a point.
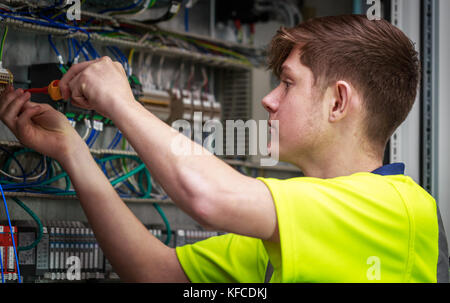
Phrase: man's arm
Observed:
(134, 253)
(205, 187)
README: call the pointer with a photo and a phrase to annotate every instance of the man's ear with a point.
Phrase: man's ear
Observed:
(340, 101)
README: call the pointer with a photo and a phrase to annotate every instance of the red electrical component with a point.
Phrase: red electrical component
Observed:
(7, 252)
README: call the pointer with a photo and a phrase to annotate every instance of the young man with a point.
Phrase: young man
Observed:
(346, 84)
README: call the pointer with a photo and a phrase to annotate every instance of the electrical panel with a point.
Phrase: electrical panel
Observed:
(175, 74)
(70, 247)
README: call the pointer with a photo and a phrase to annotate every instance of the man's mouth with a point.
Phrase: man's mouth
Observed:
(273, 126)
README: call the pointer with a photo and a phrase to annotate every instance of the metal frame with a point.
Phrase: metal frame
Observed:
(405, 142)
(430, 104)
(443, 95)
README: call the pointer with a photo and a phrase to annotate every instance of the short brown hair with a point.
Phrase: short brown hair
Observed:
(377, 58)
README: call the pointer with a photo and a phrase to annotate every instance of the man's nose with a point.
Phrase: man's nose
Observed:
(270, 102)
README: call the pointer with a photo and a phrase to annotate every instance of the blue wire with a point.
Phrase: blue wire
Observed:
(19, 13)
(94, 138)
(114, 9)
(80, 48)
(73, 47)
(121, 54)
(40, 164)
(47, 174)
(69, 47)
(126, 183)
(186, 19)
(52, 23)
(108, 31)
(50, 8)
(96, 135)
(74, 42)
(17, 161)
(118, 58)
(58, 54)
(53, 45)
(116, 140)
(113, 141)
(124, 59)
(91, 136)
(12, 235)
(103, 165)
(121, 8)
(92, 51)
(62, 18)
(30, 184)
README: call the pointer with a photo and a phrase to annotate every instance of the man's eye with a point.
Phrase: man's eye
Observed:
(287, 84)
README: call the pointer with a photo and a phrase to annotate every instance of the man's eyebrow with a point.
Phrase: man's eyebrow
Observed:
(286, 69)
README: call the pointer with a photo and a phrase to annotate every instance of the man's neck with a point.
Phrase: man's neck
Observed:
(340, 161)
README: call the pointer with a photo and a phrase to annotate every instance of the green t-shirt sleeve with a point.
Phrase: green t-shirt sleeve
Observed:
(228, 258)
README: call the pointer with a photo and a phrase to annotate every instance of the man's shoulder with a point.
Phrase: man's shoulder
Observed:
(362, 183)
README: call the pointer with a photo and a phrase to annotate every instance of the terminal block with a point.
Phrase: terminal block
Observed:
(6, 78)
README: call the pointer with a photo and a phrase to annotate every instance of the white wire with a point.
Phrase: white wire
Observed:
(205, 79)
(191, 77)
(148, 75)
(140, 62)
(34, 178)
(179, 78)
(131, 180)
(161, 63)
(88, 129)
(295, 13)
(156, 186)
(138, 13)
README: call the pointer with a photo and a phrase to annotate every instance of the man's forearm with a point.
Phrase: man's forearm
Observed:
(134, 253)
(187, 178)
(206, 188)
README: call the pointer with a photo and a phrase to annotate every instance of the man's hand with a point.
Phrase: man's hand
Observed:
(38, 126)
(101, 85)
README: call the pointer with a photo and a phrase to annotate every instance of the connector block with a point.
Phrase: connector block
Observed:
(6, 78)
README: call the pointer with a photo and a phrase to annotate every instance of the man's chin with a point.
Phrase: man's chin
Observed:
(269, 150)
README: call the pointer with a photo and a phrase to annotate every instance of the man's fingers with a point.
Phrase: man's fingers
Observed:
(24, 119)
(14, 108)
(73, 71)
(9, 97)
(119, 67)
(76, 86)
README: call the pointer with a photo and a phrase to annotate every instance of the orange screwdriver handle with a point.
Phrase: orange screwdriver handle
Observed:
(53, 91)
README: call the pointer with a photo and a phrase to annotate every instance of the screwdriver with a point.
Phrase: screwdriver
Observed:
(52, 90)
